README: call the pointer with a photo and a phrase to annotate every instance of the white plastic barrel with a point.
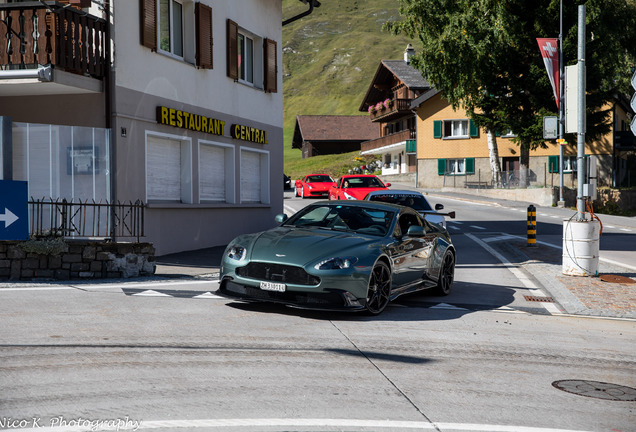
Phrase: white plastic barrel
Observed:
(580, 247)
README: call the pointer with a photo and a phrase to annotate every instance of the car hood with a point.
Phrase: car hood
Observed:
(298, 246)
(360, 193)
(320, 185)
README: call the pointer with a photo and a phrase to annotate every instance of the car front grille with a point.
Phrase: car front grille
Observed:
(277, 273)
(331, 300)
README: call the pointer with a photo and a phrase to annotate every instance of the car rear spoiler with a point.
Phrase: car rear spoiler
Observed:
(433, 212)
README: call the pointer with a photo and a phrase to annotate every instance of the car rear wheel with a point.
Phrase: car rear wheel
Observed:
(379, 289)
(446, 275)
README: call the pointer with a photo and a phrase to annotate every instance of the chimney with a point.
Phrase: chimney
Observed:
(408, 53)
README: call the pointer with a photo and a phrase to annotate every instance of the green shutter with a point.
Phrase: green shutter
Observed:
(470, 165)
(473, 129)
(441, 166)
(437, 129)
(553, 164)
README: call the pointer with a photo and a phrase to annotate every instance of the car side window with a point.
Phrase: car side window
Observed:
(406, 220)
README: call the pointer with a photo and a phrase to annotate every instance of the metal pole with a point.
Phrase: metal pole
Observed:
(580, 142)
(561, 102)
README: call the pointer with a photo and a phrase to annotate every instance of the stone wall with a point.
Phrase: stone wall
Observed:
(78, 260)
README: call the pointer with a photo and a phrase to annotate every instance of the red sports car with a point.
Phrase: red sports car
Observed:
(356, 187)
(314, 185)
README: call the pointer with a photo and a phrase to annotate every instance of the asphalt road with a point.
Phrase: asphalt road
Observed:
(132, 357)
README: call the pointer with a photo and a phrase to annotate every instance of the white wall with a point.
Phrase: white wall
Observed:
(137, 68)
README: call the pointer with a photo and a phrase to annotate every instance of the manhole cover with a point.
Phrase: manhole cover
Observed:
(598, 390)
(616, 279)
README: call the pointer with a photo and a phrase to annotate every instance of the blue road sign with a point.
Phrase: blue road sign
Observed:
(14, 210)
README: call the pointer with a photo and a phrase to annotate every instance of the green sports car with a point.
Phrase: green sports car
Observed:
(340, 255)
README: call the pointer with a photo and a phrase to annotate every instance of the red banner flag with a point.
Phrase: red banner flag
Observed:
(550, 52)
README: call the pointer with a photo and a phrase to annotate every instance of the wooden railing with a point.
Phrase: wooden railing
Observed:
(396, 107)
(388, 140)
(47, 32)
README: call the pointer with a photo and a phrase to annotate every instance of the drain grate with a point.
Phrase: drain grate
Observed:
(598, 390)
(617, 279)
(539, 299)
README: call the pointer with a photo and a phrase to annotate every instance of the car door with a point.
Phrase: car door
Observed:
(411, 252)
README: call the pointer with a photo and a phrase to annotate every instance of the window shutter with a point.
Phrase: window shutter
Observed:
(473, 129)
(163, 176)
(212, 173)
(437, 129)
(441, 166)
(232, 49)
(250, 176)
(204, 36)
(271, 82)
(553, 164)
(148, 25)
(470, 165)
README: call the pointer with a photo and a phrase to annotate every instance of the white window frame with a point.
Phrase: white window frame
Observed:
(569, 164)
(264, 176)
(458, 165)
(455, 128)
(187, 31)
(229, 163)
(185, 167)
(255, 60)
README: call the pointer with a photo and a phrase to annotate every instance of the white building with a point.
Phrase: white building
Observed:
(188, 119)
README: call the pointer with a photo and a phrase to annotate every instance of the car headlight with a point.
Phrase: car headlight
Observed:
(349, 197)
(310, 186)
(337, 263)
(236, 252)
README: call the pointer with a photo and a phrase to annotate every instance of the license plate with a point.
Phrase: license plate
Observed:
(272, 286)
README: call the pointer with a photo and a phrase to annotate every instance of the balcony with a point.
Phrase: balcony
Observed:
(393, 141)
(396, 108)
(46, 48)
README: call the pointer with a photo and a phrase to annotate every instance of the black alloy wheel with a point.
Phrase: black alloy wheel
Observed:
(446, 275)
(379, 289)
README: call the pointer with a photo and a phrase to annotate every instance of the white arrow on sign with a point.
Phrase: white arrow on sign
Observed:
(8, 217)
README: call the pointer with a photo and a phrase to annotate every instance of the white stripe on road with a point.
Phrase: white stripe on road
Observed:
(105, 286)
(534, 289)
(477, 227)
(285, 424)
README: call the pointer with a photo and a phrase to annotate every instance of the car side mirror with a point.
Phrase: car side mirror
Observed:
(415, 231)
(439, 207)
(387, 184)
(280, 218)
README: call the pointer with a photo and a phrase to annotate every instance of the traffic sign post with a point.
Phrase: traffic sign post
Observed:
(14, 210)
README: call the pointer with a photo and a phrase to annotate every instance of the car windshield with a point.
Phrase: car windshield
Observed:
(417, 202)
(319, 179)
(344, 218)
(362, 182)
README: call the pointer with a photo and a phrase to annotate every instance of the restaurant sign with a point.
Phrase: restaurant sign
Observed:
(199, 123)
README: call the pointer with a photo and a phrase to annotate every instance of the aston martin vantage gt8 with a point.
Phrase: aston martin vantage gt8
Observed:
(340, 255)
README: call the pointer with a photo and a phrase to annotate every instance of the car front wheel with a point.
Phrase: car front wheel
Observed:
(379, 289)
(446, 275)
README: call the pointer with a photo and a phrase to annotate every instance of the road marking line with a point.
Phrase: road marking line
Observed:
(534, 290)
(293, 423)
(477, 227)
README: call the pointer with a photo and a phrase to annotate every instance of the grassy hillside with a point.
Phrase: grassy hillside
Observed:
(329, 60)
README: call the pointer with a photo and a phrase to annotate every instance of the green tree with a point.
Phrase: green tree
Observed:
(483, 56)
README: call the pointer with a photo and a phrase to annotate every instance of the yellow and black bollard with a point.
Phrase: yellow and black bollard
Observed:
(532, 225)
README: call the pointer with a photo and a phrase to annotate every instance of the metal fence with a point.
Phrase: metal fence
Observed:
(482, 179)
(86, 219)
